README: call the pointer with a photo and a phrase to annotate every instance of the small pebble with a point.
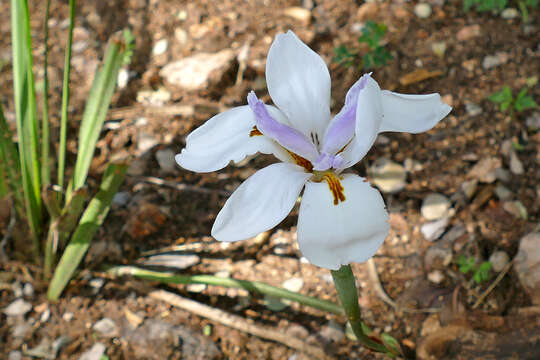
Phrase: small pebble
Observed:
(436, 277)
(433, 230)
(469, 188)
(435, 206)
(516, 166)
(106, 327)
(473, 109)
(503, 193)
(160, 47)
(498, 260)
(422, 10)
(18, 308)
(293, 284)
(166, 161)
(15, 355)
(439, 48)
(96, 352)
(509, 13)
(28, 290)
(68, 316)
(533, 121)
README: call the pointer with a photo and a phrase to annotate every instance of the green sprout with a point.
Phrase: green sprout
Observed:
(524, 6)
(506, 100)
(481, 273)
(377, 55)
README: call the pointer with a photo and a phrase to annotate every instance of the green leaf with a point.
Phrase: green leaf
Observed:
(524, 101)
(90, 222)
(342, 55)
(501, 96)
(482, 273)
(25, 111)
(99, 99)
(466, 264)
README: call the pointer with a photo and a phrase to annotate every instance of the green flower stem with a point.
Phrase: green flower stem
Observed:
(251, 286)
(347, 292)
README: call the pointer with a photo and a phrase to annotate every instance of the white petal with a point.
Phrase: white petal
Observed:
(352, 231)
(368, 120)
(411, 113)
(225, 137)
(299, 84)
(260, 203)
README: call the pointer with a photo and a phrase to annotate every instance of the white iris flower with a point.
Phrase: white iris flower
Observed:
(342, 219)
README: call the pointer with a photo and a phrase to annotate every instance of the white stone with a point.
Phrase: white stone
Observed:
(18, 308)
(503, 193)
(197, 71)
(160, 47)
(435, 206)
(96, 352)
(436, 277)
(516, 166)
(509, 13)
(422, 10)
(499, 259)
(388, 176)
(433, 230)
(106, 327)
(293, 284)
(165, 159)
(527, 265)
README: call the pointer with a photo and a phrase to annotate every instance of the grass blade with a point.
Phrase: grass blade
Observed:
(65, 98)
(90, 222)
(99, 99)
(25, 109)
(251, 286)
(45, 135)
(10, 163)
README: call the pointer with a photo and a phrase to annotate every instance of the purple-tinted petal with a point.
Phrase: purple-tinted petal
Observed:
(341, 129)
(286, 136)
(323, 162)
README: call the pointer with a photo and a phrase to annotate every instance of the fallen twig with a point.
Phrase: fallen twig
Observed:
(497, 280)
(374, 277)
(237, 322)
(183, 187)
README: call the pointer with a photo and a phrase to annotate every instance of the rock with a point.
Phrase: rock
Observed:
(367, 11)
(516, 166)
(198, 71)
(516, 208)
(435, 206)
(121, 198)
(498, 260)
(453, 234)
(412, 165)
(45, 315)
(437, 258)
(503, 175)
(509, 13)
(160, 47)
(153, 97)
(527, 265)
(181, 36)
(96, 284)
(96, 352)
(503, 193)
(468, 32)
(106, 327)
(473, 109)
(196, 288)
(123, 78)
(174, 261)
(388, 176)
(68, 316)
(484, 170)
(18, 308)
(433, 230)
(28, 290)
(165, 159)
(422, 10)
(15, 355)
(21, 330)
(436, 277)
(438, 48)
(293, 284)
(146, 142)
(332, 332)
(469, 188)
(47, 350)
(492, 61)
(533, 121)
(298, 13)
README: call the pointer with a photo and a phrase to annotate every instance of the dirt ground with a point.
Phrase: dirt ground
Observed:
(435, 315)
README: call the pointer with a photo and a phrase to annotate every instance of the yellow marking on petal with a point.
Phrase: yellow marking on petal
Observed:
(335, 186)
(303, 162)
(255, 132)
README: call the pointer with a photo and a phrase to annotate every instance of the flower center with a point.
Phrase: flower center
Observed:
(334, 184)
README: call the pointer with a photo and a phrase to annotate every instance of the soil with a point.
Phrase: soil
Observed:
(157, 216)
